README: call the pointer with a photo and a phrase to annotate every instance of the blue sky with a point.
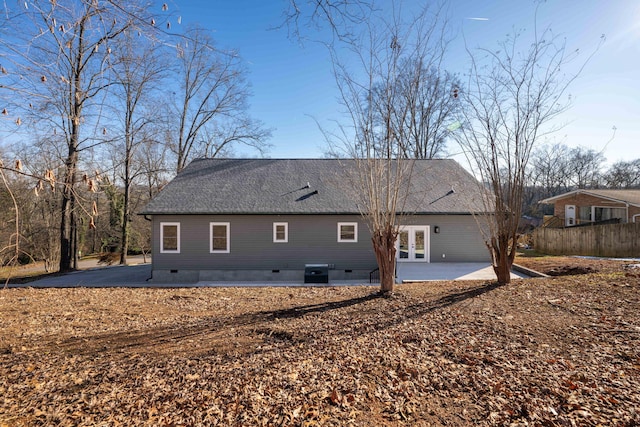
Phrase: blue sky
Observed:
(293, 88)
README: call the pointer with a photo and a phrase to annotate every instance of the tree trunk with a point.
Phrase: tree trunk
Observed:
(503, 272)
(384, 246)
(125, 240)
(65, 235)
(124, 243)
(74, 234)
(67, 220)
(503, 255)
(94, 240)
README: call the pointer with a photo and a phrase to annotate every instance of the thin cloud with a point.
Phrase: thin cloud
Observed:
(478, 19)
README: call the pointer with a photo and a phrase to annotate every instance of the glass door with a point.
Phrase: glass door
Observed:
(403, 245)
(413, 243)
(418, 244)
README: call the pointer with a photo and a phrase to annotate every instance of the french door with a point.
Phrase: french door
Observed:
(413, 244)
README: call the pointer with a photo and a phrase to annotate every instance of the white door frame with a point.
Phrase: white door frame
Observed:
(569, 219)
(411, 255)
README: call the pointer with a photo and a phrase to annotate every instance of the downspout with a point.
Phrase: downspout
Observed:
(627, 205)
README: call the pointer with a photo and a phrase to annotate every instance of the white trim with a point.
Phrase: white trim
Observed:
(228, 227)
(286, 232)
(636, 218)
(570, 220)
(169, 251)
(355, 232)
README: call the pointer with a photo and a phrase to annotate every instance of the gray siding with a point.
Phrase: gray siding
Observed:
(312, 240)
(459, 238)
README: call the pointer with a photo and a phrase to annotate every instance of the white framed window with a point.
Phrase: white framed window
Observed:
(219, 237)
(585, 213)
(280, 232)
(169, 237)
(347, 232)
(603, 213)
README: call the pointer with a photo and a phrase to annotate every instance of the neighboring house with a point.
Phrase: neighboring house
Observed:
(580, 207)
(266, 219)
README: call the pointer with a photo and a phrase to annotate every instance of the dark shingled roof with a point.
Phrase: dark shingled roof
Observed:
(279, 186)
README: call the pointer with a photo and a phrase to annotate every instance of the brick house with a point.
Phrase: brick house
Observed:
(580, 207)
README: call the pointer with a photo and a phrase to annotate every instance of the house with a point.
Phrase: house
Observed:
(580, 207)
(268, 219)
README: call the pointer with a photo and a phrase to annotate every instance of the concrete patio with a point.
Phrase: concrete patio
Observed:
(421, 272)
(136, 276)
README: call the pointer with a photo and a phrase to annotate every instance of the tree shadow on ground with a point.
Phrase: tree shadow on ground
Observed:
(419, 309)
(304, 310)
(216, 327)
(413, 310)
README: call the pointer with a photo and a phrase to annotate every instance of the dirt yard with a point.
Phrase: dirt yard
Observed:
(563, 351)
(567, 266)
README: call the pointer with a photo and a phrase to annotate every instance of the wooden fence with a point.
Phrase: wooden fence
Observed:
(612, 240)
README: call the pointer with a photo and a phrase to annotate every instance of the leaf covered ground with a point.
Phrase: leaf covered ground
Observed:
(551, 352)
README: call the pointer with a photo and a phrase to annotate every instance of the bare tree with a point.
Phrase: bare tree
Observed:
(39, 199)
(509, 106)
(550, 169)
(548, 175)
(382, 117)
(623, 174)
(212, 96)
(28, 212)
(585, 167)
(218, 139)
(341, 17)
(12, 249)
(432, 102)
(60, 63)
(557, 168)
(137, 72)
(152, 157)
